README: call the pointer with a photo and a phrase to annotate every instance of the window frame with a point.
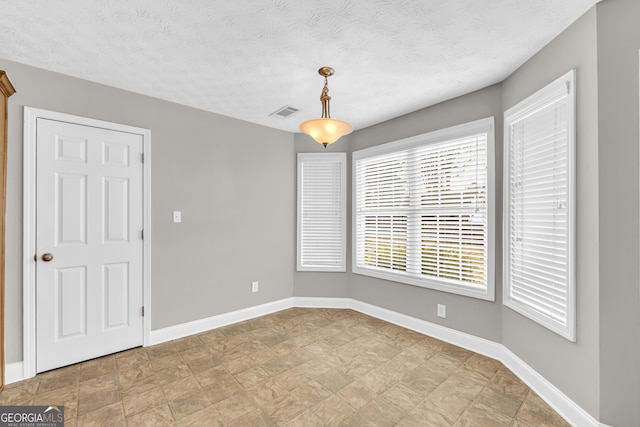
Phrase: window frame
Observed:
(526, 108)
(481, 126)
(340, 158)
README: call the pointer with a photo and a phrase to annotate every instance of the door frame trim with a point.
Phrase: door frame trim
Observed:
(29, 224)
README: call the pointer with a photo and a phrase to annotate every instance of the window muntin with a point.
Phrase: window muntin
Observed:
(421, 210)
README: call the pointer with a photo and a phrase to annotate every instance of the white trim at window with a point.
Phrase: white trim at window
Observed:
(322, 199)
(423, 210)
(539, 207)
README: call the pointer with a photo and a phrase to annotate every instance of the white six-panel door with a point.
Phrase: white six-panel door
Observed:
(89, 247)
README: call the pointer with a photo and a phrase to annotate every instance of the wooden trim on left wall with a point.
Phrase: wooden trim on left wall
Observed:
(6, 90)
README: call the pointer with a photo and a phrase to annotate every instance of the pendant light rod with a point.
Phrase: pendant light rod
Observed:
(326, 130)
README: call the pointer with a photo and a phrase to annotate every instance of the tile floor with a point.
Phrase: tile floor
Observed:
(298, 367)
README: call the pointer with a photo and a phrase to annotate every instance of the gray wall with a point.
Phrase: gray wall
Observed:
(231, 180)
(619, 311)
(572, 367)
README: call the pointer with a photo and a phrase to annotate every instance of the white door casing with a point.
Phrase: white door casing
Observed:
(91, 189)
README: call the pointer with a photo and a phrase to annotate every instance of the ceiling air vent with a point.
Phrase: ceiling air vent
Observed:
(284, 112)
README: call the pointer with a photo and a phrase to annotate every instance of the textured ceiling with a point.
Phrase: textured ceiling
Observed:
(247, 58)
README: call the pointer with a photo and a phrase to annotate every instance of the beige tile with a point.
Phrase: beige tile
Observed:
(261, 356)
(333, 410)
(97, 367)
(131, 359)
(422, 380)
(382, 411)
(356, 394)
(187, 343)
(334, 380)
(158, 416)
(195, 353)
(222, 389)
(478, 415)
(295, 367)
(292, 378)
(284, 409)
(403, 397)
(17, 394)
(203, 363)
(359, 420)
(102, 383)
(65, 396)
(93, 401)
(174, 390)
(458, 385)
(254, 418)
(170, 375)
(509, 384)
(252, 377)
(188, 403)
(208, 416)
(446, 362)
(55, 382)
(234, 407)
(498, 401)
(111, 415)
(130, 375)
(310, 394)
(425, 414)
(160, 351)
(165, 362)
(483, 365)
(535, 411)
(213, 375)
(142, 402)
(306, 419)
(141, 386)
(376, 380)
(451, 406)
(235, 366)
(266, 392)
(313, 368)
(279, 364)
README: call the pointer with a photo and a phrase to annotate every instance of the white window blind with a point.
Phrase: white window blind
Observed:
(422, 210)
(539, 207)
(321, 212)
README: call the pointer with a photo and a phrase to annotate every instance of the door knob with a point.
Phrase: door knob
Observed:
(47, 257)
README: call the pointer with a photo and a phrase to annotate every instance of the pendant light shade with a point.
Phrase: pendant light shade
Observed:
(326, 130)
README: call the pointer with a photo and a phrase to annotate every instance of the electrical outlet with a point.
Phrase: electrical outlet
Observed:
(254, 286)
(442, 310)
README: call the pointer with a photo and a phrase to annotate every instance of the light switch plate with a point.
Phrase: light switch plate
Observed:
(177, 216)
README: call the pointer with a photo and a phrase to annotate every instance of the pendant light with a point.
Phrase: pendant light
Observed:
(326, 130)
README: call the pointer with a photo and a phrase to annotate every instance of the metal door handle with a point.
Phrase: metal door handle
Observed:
(47, 257)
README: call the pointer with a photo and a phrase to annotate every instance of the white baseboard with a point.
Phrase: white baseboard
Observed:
(322, 302)
(567, 408)
(13, 372)
(461, 339)
(559, 401)
(190, 328)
